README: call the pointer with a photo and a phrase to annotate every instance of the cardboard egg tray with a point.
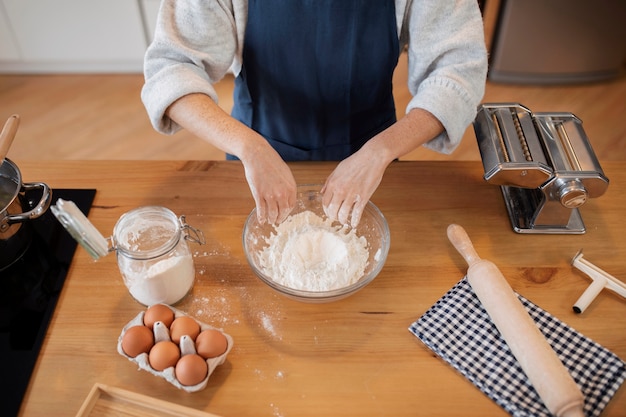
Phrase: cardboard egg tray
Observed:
(186, 346)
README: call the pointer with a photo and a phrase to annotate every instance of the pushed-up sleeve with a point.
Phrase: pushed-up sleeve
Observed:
(447, 65)
(195, 44)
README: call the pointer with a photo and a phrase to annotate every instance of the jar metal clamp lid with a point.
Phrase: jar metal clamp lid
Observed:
(86, 234)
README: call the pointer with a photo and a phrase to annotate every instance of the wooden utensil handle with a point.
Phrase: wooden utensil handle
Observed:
(461, 241)
(7, 135)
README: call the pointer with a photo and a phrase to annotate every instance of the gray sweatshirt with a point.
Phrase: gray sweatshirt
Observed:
(197, 42)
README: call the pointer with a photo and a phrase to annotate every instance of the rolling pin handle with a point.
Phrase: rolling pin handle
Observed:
(461, 241)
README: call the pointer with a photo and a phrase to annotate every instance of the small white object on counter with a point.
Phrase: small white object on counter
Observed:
(600, 281)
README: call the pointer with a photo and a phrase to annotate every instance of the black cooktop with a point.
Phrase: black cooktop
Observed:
(29, 290)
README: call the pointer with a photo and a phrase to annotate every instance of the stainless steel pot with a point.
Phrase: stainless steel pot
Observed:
(16, 211)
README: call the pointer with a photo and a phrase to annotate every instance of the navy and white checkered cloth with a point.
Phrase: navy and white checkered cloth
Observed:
(458, 329)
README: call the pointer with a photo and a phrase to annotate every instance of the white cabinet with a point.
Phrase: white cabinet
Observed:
(8, 46)
(150, 9)
(72, 36)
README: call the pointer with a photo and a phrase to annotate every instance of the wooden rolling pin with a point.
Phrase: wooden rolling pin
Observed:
(544, 369)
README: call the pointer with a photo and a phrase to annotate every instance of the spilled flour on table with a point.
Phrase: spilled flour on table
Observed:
(268, 325)
(308, 253)
(276, 410)
(214, 309)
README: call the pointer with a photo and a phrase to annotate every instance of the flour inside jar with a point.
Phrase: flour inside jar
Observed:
(309, 253)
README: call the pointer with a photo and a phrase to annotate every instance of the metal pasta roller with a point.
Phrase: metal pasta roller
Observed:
(544, 164)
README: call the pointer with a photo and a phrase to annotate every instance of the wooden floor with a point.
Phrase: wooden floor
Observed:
(78, 116)
(102, 117)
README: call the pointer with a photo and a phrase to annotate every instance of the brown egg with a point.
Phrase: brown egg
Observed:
(191, 369)
(137, 340)
(211, 343)
(163, 355)
(182, 326)
(158, 312)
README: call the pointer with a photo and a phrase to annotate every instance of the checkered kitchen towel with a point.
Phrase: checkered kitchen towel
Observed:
(458, 329)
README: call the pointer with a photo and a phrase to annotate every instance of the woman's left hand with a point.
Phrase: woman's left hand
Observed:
(350, 186)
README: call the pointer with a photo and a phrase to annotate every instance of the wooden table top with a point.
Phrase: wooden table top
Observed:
(354, 357)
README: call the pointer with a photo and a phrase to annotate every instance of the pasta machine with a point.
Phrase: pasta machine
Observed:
(544, 164)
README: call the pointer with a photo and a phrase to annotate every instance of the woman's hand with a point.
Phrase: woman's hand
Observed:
(350, 186)
(272, 185)
(269, 178)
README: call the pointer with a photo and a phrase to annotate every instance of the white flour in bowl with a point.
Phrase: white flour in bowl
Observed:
(308, 253)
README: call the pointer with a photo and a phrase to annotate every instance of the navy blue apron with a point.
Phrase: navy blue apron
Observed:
(317, 75)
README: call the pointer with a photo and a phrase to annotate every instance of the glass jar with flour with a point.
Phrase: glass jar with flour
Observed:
(151, 246)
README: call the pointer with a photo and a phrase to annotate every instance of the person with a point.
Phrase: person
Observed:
(314, 82)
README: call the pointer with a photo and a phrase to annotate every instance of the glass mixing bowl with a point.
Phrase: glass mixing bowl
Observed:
(373, 226)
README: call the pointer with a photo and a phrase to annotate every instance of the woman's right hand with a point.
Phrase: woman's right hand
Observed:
(269, 178)
(272, 184)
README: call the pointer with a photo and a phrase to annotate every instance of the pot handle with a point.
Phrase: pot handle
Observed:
(39, 209)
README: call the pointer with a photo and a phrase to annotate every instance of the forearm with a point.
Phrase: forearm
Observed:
(447, 65)
(416, 128)
(201, 116)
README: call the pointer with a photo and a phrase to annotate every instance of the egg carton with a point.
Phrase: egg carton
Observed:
(187, 346)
